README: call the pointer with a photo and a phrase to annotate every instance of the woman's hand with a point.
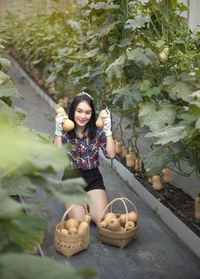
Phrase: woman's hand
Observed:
(59, 120)
(110, 146)
(107, 123)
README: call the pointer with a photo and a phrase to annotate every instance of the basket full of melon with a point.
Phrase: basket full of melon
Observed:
(118, 229)
(72, 236)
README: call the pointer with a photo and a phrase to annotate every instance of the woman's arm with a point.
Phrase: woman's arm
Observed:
(110, 147)
(57, 141)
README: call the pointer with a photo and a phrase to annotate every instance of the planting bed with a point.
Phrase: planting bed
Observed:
(177, 201)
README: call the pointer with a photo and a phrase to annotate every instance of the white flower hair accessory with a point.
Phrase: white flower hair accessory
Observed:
(85, 93)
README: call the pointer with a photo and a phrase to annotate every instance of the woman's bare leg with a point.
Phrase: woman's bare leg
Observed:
(77, 212)
(98, 203)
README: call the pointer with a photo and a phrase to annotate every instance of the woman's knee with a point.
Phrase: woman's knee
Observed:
(76, 212)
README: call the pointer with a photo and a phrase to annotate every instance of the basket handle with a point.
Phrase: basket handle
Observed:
(70, 208)
(113, 201)
(129, 202)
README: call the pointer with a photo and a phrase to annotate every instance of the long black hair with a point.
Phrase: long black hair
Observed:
(91, 125)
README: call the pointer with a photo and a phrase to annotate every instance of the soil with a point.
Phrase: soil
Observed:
(177, 201)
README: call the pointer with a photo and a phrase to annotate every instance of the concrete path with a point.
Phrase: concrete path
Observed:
(155, 253)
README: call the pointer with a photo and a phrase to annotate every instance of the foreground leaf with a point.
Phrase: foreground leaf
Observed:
(7, 87)
(25, 230)
(26, 153)
(4, 65)
(19, 185)
(69, 190)
(30, 267)
(8, 207)
(11, 115)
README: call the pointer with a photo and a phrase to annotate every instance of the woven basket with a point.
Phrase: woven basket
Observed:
(69, 245)
(119, 239)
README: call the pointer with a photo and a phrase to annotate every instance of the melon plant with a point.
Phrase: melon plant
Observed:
(26, 155)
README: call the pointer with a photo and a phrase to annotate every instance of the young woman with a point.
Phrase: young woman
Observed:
(86, 139)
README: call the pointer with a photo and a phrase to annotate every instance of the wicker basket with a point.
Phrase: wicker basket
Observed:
(119, 239)
(69, 245)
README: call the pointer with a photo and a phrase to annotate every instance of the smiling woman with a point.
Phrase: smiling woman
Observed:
(86, 139)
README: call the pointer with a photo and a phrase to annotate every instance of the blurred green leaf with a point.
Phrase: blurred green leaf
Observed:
(197, 126)
(8, 207)
(26, 153)
(69, 190)
(16, 116)
(30, 267)
(19, 185)
(25, 231)
(7, 87)
(4, 65)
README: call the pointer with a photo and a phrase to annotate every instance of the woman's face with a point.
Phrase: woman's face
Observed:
(82, 114)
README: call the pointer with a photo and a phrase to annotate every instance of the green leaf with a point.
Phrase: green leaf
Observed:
(147, 90)
(21, 185)
(105, 29)
(92, 53)
(195, 98)
(160, 43)
(7, 87)
(126, 97)
(141, 57)
(197, 125)
(25, 230)
(95, 72)
(103, 6)
(137, 22)
(51, 77)
(158, 159)
(20, 266)
(2, 47)
(168, 135)
(26, 153)
(156, 116)
(69, 190)
(74, 25)
(8, 207)
(3, 77)
(178, 89)
(77, 68)
(4, 65)
(194, 110)
(186, 118)
(115, 70)
(16, 115)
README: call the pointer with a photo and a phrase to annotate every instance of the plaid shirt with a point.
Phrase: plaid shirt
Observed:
(85, 151)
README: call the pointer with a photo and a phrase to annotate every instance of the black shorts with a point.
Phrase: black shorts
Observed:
(92, 177)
